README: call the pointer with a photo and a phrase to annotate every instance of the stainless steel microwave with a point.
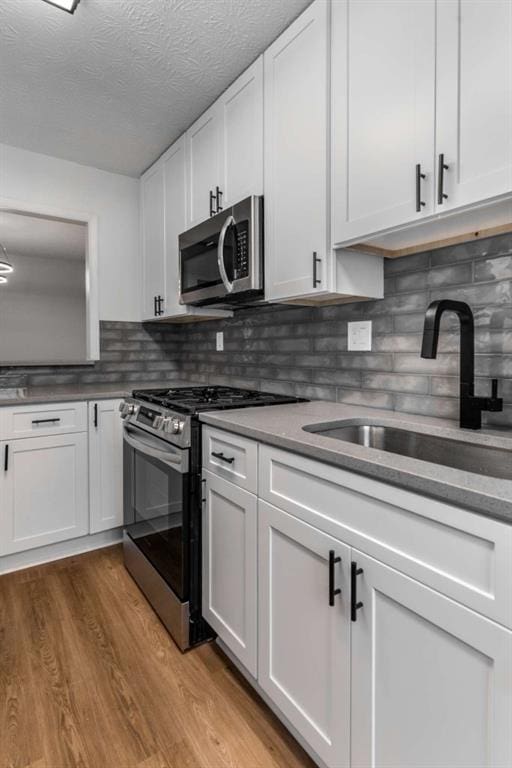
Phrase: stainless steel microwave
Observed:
(221, 260)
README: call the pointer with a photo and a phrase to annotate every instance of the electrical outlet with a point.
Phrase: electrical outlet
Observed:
(360, 336)
(220, 341)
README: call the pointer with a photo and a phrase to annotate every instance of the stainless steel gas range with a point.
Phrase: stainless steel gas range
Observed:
(162, 497)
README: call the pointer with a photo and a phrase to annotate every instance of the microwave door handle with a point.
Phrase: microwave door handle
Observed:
(143, 446)
(220, 254)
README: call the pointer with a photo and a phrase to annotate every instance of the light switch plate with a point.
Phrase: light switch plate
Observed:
(360, 336)
(220, 341)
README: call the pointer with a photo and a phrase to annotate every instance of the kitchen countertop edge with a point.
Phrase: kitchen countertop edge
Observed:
(87, 392)
(384, 467)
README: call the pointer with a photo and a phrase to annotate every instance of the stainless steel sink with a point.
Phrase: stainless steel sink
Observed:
(481, 459)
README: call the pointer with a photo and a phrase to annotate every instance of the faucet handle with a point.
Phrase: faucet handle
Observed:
(494, 403)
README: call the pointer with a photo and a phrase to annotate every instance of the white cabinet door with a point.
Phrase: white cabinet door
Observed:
(43, 491)
(474, 98)
(431, 680)
(304, 646)
(230, 566)
(105, 465)
(241, 109)
(296, 156)
(152, 200)
(383, 89)
(175, 172)
(204, 164)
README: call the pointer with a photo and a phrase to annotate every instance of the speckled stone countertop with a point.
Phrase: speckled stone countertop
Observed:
(282, 426)
(77, 392)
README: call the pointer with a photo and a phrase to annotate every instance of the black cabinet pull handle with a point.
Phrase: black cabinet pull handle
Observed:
(227, 459)
(159, 302)
(218, 198)
(316, 261)
(6, 458)
(354, 605)
(154, 305)
(419, 177)
(96, 415)
(441, 168)
(332, 589)
(45, 421)
(212, 199)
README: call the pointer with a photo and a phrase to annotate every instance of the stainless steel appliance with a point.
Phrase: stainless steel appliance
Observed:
(162, 497)
(221, 260)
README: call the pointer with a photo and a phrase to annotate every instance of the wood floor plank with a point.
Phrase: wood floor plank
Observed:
(89, 678)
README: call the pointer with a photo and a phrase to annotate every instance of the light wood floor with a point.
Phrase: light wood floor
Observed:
(90, 678)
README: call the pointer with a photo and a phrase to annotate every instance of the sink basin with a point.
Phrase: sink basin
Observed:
(481, 459)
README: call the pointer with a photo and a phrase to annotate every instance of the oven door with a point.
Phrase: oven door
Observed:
(156, 505)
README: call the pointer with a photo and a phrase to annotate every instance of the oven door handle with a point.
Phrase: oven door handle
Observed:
(173, 456)
(220, 253)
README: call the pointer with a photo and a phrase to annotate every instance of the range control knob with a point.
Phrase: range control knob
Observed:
(173, 425)
(127, 409)
(158, 422)
(177, 426)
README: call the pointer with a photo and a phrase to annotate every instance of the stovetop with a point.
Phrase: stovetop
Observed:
(192, 400)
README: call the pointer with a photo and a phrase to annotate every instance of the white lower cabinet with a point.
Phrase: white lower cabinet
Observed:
(394, 671)
(431, 679)
(43, 491)
(230, 566)
(105, 465)
(304, 641)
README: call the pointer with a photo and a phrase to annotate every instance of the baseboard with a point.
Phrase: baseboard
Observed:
(60, 550)
(270, 704)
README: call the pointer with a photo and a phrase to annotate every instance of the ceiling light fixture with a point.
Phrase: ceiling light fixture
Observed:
(66, 5)
(5, 267)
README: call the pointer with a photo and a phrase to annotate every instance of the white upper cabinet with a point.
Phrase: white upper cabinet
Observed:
(163, 210)
(241, 108)
(204, 163)
(300, 265)
(152, 203)
(175, 169)
(296, 156)
(383, 91)
(422, 117)
(225, 148)
(431, 680)
(474, 99)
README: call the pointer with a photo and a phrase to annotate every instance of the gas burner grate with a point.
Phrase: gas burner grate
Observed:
(204, 398)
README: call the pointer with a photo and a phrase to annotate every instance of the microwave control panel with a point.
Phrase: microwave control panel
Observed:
(242, 249)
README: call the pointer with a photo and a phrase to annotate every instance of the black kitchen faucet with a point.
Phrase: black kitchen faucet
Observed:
(471, 407)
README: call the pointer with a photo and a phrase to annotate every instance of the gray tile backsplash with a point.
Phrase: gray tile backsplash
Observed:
(303, 350)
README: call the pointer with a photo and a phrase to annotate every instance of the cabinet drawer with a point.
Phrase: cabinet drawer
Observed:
(461, 554)
(231, 457)
(41, 420)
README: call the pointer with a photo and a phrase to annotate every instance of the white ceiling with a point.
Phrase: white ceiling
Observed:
(113, 85)
(36, 236)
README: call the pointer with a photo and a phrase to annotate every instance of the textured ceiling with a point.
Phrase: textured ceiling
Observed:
(113, 85)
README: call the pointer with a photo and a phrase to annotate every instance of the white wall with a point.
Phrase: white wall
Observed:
(42, 180)
(43, 312)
